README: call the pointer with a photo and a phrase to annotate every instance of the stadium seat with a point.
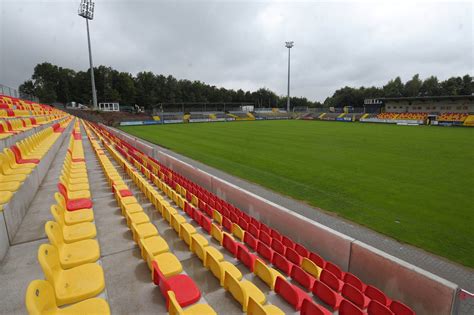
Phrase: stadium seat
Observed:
(265, 273)
(246, 258)
(328, 296)
(318, 260)
(265, 238)
(265, 251)
(311, 268)
(376, 308)
(198, 245)
(71, 285)
(255, 308)
(237, 231)
(278, 247)
(354, 281)
(242, 290)
(347, 308)
(254, 230)
(143, 230)
(293, 256)
(302, 277)
(251, 241)
(308, 307)
(219, 267)
(73, 254)
(331, 280)
(335, 270)
(74, 204)
(71, 217)
(398, 308)
(196, 309)
(185, 290)
(292, 294)
(167, 262)
(282, 263)
(185, 232)
(355, 296)
(216, 233)
(40, 299)
(155, 245)
(230, 244)
(375, 294)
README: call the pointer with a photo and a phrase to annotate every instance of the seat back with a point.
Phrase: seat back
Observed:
(251, 241)
(311, 268)
(400, 309)
(287, 292)
(310, 308)
(229, 244)
(282, 263)
(301, 250)
(173, 308)
(185, 231)
(232, 285)
(197, 247)
(255, 308)
(354, 281)
(353, 294)
(293, 256)
(335, 270)
(40, 297)
(376, 308)
(60, 200)
(318, 260)
(324, 293)
(347, 308)
(265, 238)
(254, 230)
(213, 264)
(303, 278)
(175, 224)
(216, 233)
(57, 214)
(264, 273)
(375, 294)
(330, 279)
(54, 233)
(238, 231)
(206, 224)
(49, 261)
(278, 246)
(245, 257)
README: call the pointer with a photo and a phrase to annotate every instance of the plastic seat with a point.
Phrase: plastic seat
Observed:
(198, 245)
(74, 204)
(196, 309)
(292, 294)
(184, 288)
(347, 308)
(220, 267)
(137, 218)
(282, 263)
(255, 308)
(229, 244)
(176, 220)
(355, 296)
(310, 308)
(377, 295)
(156, 245)
(144, 230)
(246, 258)
(318, 260)
(302, 277)
(354, 281)
(265, 238)
(238, 232)
(186, 230)
(168, 263)
(400, 309)
(216, 233)
(293, 256)
(254, 230)
(335, 270)
(74, 217)
(251, 241)
(331, 280)
(311, 268)
(278, 247)
(72, 285)
(328, 296)
(265, 251)
(40, 299)
(265, 273)
(376, 308)
(206, 224)
(242, 290)
(73, 254)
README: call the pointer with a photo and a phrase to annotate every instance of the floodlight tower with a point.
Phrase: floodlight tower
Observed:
(86, 10)
(288, 45)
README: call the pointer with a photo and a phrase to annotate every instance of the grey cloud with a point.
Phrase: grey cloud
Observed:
(240, 44)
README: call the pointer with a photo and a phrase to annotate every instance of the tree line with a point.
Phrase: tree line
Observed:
(51, 83)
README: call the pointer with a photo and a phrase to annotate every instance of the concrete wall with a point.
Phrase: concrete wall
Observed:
(425, 292)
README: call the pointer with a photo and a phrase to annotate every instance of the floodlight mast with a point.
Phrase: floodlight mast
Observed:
(288, 45)
(86, 10)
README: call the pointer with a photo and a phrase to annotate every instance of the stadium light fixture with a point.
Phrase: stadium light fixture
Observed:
(288, 45)
(86, 10)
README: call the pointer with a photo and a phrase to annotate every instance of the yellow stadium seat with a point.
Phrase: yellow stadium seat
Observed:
(132, 208)
(216, 216)
(255, 308)
(156, 245)
(144, 230)
(73, 217)
(220, 267)
(75, 232)
(238, 231)
(196, 309)
(167, 262)
(216, 233)
(137, 218)
(176, 220)
(185, 232)
(71, 285)
(311, 268)
(40, 299)
(73, 254)
(265, 273)
(198, 245)
(168, 211)
(242, 290)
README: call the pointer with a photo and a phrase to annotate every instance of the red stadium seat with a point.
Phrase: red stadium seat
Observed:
(335, 270)
(229, 244)
(265, 238)
(182, 285)
(310, 308)
(355, 296)
(255, 222)
(347, 308)
(292, 294)
(243, 224)
(278, 246)
(206, 224)
(188, 209)
(251, 241)
(287, 242)
(300, 249)
(354, 281)
(282, 263)
(377, 295)
(197, 216)
(376, 308)
(400, 309)
(318, 260)
(293, 256)
(265, 251)
(226, 223)
(275, 235)
(246, 258)
(19, 159)
(125, 193)
(264, 228)
(254, 230)
(331, 280)
(302, 277)
(74, 204)
(328, 296)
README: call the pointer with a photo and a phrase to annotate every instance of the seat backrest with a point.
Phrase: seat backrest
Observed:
(254, 230)
(318, 260)
(335, 270)
(329, 279)
(54, 233)
(400, 309)
(238, 231)
(293, 256)
(376, 308)
(287, 291)
(206, 224)
(49, 261)
(229, 244)
(263, 272)
(197, 215)
(227, 223)
(243, 223)
(255, 308)
(60, 200)
(311, 268)
(310, 308)
(347, 308)
(353, 294)
(216, 216)
(301, 250)
(245, 257)
(324, 293)
(57, 214)
(250, 241)
(303, 278)
(265, 251)
(375, 294)
(216, 233)
(278, 246)
(185, 232)
(287, 242)
(174, 307)
(156, 274)
(40, 297)
(62, 189)
(282, 263)
(213, 264)
(197, 247)
(354, 281)
(265, 238)
(233, 286)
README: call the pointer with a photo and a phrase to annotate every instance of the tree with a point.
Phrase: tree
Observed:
(413, 86)
(27, 89)
(430, 87)
(467, 85)
(394, 88)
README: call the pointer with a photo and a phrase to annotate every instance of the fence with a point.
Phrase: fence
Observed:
(6, 90)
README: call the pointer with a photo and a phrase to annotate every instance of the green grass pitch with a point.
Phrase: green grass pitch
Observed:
(415, 184)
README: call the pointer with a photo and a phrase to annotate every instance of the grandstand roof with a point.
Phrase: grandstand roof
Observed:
(427, 98)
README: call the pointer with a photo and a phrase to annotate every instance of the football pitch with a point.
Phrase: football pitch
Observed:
(415, 184)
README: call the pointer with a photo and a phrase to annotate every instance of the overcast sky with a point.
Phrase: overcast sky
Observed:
(240, 44)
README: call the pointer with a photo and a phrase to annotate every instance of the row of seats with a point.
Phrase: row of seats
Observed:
(8, 102)
(21, 159)
(457, 117)
(178, 289)
(403, 116)
(73, 276)
(10, 127)
(290, 254)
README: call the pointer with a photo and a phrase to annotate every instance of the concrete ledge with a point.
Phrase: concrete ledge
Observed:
(425, 292)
